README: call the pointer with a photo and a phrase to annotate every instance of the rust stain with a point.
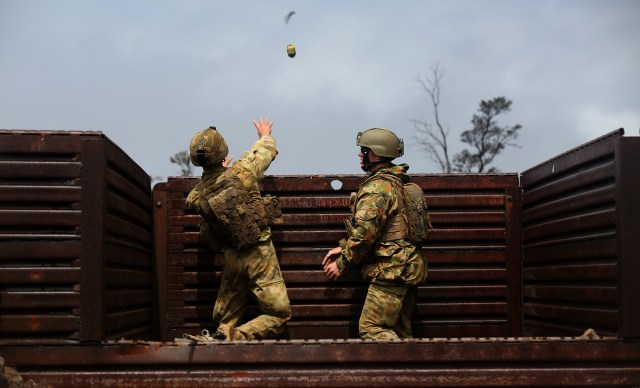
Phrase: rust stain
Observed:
(137, 348)
(35, 324)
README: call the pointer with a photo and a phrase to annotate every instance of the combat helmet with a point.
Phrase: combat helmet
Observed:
(208, 148)
(382, 142)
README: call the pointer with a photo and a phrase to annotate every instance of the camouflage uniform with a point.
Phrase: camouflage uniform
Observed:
(394, 268)
(254, 269)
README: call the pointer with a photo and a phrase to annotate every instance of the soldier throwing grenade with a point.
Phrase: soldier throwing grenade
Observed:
(237, 221)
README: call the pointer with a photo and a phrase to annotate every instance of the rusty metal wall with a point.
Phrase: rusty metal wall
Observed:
(127, 249)
(581, 220)
(76, 268)
(474, 274)
(75, 239)
(477, 362)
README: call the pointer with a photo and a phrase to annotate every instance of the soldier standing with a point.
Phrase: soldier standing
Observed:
(237, 221)
(378, 239)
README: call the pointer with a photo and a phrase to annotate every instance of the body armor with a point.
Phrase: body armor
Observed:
(411, 222)
(234, 215)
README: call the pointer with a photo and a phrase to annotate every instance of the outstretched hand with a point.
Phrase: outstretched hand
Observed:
(263, 127)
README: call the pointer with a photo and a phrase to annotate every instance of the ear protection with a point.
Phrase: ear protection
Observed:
(200, 151)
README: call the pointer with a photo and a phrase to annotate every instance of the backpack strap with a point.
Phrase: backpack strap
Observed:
(396, 227)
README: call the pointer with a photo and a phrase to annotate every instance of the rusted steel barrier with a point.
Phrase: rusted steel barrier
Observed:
(75, 239)
(76, 269)
(581, 256)
(473, 287)
(464, 362)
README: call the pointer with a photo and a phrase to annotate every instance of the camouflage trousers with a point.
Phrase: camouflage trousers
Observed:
(387, 312)
(254, 270)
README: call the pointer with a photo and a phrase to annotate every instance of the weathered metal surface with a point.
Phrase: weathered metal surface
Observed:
(465, 362)
(473, 253)
(75, 239)
(580, 219)
(75, 268)
(628, 228)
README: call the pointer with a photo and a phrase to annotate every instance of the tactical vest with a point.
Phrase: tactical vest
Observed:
(411, 222)
(234, 215)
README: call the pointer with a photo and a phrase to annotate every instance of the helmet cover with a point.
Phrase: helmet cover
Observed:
(207, 148)
(382, 142)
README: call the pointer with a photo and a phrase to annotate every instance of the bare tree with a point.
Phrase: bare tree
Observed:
(487, 138)
(183, 161)
(434, 139)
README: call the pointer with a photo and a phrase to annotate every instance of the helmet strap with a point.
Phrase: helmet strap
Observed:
(200, 152)
(368, 165)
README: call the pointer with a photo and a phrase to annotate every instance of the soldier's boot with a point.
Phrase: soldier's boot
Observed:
(227, 332)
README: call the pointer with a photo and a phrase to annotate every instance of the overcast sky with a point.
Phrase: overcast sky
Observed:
(150, 73)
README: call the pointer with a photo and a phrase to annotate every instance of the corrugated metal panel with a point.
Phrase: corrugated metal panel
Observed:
(572, 260)
(40, 235)
(128, 248)
(628, 228)
(75, 239)
(476, 232)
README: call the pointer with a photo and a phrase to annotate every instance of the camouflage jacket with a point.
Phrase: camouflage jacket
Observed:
(250, 168)
(390, 262)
